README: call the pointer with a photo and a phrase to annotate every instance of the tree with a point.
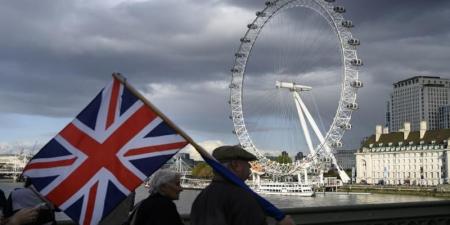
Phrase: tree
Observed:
(202, 170)
(331, 173)
(284, 158)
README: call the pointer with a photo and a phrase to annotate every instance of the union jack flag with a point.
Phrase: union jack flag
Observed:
(107, 151)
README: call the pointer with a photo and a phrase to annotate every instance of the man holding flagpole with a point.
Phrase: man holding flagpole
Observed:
(223, 202)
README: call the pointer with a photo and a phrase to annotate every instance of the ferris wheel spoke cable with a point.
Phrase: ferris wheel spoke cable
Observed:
(284, 57)
(259, 118)
(319, 116)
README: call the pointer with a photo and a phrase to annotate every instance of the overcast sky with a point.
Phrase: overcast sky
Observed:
(56, 55)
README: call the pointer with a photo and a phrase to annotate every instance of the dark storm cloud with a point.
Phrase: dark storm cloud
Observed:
(78, 40)
(60, 47)
(56, 55)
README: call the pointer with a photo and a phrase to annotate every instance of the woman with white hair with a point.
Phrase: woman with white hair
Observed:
(158, 208)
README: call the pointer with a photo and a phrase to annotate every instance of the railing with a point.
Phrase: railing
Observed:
(413, 213)
(436, 213)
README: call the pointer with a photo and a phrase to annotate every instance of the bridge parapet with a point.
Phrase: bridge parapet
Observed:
(434, 212)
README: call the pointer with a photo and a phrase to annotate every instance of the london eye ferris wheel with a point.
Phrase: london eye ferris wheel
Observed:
(295, 74)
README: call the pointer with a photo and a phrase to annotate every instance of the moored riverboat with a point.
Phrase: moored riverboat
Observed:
(284, 188)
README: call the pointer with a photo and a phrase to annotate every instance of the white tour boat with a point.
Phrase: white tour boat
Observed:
(193, 183)
(284, 188)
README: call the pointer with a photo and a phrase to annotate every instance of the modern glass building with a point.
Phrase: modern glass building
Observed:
(346, 158)
(444, 117)
(417, 99)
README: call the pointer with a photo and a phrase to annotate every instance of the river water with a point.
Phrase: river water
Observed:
(327, 199)
(321, 199)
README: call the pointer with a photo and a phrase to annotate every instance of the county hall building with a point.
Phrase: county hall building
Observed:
(404, 157)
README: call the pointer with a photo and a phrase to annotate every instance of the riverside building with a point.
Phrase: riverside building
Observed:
(345, 158)
(406, 157)
(417, 99)
(444, 117)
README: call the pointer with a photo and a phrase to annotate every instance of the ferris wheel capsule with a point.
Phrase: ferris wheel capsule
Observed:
(354, 42)
(339, 9)
(347, 23)
(357, 84)
(356, 62)
(234, 70)
(337, 144)
(352, 106)
(269, 3)
(245, 40)
(346, 126)
(261, 14)
(252, 26)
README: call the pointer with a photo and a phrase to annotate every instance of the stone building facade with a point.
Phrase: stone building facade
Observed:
(407, 157)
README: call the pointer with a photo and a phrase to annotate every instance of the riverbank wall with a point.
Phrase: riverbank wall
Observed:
(442, 191)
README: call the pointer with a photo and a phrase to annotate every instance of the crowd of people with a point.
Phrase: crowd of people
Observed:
(220, 203)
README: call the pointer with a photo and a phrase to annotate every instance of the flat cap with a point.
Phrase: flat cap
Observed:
(227, 152)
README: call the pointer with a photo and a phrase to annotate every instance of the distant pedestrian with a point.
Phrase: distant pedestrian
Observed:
(222, 202)
(158, 208)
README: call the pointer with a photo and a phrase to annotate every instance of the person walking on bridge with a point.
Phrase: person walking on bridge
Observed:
(158, 208)
(223, 203)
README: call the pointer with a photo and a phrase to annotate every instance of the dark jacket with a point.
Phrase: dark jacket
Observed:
(157, 210)
(2, 199)
(222, 203)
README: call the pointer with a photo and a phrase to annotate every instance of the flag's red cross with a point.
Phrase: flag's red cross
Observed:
(101, 155)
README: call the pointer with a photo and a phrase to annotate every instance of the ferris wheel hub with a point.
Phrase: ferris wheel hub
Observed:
(292, 86)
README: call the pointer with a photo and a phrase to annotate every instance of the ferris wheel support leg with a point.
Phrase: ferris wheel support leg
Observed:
(321, 177)
(342, 174)
(310, 118)
(344, 177)
(303, 123)
(306, 176)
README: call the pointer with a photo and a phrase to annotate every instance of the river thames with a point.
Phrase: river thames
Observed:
(321, 199)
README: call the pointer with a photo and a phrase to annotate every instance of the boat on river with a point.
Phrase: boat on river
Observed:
(264, 187)
(284, 188)
(193, 183)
